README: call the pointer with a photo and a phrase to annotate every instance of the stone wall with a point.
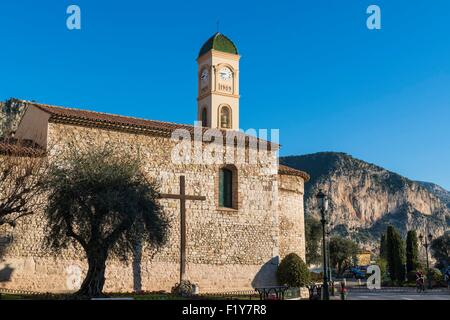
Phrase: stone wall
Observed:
(227, 249)
(291, 215)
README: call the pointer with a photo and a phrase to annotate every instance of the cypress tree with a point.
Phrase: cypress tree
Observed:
(383, 246)
(395, 254)
(412, 251)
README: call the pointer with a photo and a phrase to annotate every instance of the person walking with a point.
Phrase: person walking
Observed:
(420, 282)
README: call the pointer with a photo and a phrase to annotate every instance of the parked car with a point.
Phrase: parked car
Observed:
(359, 272)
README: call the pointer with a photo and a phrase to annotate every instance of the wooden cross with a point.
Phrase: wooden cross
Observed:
(182, 197)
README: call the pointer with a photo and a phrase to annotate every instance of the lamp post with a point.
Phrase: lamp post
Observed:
(322, 199)
(328, 254)
(426, 241)
(330, 275)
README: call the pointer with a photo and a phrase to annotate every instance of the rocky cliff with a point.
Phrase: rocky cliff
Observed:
(365, 198)
(10, 114)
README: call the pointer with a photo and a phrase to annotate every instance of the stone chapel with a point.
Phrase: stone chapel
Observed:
(251, 217)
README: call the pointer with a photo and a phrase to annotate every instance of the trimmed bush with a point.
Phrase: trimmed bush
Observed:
(293, 271)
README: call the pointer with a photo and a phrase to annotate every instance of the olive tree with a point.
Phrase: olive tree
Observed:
(342, 253)
(313, 234)
(440, 249)
(22, 167)
(100, 199)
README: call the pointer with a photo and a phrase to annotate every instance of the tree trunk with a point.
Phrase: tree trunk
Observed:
(92, 285)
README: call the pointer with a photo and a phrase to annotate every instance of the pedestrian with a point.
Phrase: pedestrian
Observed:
(420, 281)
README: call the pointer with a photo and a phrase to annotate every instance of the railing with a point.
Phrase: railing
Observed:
(230, 295)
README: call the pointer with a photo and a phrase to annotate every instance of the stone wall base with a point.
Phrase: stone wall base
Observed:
(44, 274)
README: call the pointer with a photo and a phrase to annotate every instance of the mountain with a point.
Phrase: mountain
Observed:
(365, 198)
(438, 191)
(10, 114)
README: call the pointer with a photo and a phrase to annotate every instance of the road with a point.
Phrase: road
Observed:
(397, 294)
(393, 296)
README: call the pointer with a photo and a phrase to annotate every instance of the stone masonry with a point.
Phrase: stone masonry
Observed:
(227, 249)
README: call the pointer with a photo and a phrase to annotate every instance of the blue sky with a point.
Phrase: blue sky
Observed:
(310, 68)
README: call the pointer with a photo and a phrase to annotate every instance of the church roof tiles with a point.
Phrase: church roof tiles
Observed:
(123, 123)
(285, 170)
(62, 114)
(111, 121)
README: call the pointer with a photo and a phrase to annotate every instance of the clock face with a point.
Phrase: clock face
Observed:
(204, 76)
(225, 74)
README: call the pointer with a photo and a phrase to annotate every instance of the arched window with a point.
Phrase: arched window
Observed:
(226, 188)
(204, 118)
(225, 117)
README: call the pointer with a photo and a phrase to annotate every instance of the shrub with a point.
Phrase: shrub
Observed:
(184, 289)
(411, 276)
(316, 277)
(293, 271)
(436, 276)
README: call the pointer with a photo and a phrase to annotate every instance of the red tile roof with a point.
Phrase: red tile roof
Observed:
(99, 119)
(112, 121)
(285, 170)
(91, 118)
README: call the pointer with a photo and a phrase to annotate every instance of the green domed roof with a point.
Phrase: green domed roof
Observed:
(218, 42)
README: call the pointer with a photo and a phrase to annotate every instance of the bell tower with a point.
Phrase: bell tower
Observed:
(218, 84)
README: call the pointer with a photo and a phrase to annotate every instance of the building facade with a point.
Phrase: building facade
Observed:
(252, 216)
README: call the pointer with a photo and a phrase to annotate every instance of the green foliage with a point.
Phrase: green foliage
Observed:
(411, 276)
(382, 263)
(342, 253)
(436, 276)
(293, 272)
(412, 252)
(385, 279)
(99, 198)
(383, 246)
(316, 276)
(440, 249)
(313, 234)
(395, 250)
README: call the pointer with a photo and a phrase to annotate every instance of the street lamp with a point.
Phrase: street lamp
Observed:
(330, 275)
(426, 244)
(328, 252)
(322, 199)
